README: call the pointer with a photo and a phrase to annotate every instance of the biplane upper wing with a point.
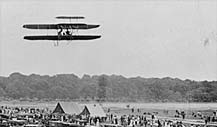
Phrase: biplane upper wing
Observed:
(40, 26)
(60, 26)
(68, 37)
(70, 17)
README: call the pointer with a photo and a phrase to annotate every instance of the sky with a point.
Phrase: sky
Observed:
(169, 38)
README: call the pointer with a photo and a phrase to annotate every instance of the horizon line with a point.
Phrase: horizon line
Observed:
(80, 77)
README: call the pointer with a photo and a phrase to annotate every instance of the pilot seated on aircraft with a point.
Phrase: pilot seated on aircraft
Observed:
(68, 32)
(60, 32)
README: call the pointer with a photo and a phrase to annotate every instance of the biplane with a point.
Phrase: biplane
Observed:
(65, 31)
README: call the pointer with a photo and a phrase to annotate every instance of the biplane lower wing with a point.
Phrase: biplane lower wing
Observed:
(60, 26)
(69, 37)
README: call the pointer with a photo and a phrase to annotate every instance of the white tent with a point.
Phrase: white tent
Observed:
(68, 108)
(93, 110)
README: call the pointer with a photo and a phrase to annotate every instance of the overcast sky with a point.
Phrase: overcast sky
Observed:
(139, 38)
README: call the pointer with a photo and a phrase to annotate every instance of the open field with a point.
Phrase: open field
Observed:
(161, 110)
(181, 106)
(162, 106)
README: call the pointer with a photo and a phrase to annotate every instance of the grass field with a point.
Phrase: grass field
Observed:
(166, 106)
(160, 109)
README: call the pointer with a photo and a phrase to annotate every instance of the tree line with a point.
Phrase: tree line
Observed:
(106, 88)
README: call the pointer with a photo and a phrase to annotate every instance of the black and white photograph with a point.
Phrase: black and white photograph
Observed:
(108, 63)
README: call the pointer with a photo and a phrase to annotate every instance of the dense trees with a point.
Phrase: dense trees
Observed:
(101, 91)
(106, 88)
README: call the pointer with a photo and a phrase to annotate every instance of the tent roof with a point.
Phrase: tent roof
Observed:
(95, 110)
(58, 109)
(68, 108)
